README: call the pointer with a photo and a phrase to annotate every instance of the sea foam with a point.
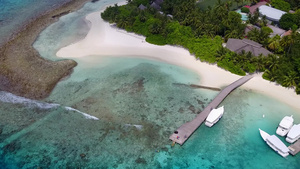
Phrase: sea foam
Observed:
(11, 98)
(87, 116)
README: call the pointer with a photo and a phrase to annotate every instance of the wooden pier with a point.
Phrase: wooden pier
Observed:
(187, 129)
(294, 148)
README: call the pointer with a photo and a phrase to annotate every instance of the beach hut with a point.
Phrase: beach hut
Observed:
(237, 46)
(155, 6)
(142, 7)
(276, 31)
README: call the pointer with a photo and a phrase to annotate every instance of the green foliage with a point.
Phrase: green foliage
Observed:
(261, 36)
(287, 21)
(110, 14)
(298, 89)
(253, 18)
(295, 4)
(156, 39)
(205, 48)
(245, 10)
(281, 5)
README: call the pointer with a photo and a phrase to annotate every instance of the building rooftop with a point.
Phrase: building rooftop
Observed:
(237, 45)
(276, 31)
(271, 13)
(156, 6)
(142, 7)
(254, 7)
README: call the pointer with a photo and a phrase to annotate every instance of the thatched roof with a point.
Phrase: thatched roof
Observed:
(158, 2)
(276, 31)
(154, 5)
(142, 7)
(237, 45)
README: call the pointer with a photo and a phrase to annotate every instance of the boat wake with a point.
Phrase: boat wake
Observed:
(11, 98)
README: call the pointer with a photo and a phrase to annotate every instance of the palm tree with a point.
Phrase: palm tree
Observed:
(264, 20)
(270, 75)
(220, 54)
(259, 62)
(254, 35)
(290, 79)
(272, 62)
(274, 43)
(122, 21)
(237, 2)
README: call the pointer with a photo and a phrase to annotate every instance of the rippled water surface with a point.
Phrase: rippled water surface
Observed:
(117, 112)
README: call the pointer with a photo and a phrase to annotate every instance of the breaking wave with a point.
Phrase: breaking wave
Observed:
(11, 98)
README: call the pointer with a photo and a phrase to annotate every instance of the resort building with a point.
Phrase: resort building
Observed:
(257, 5)
(276, 31)
(142, 7)
(237, 45)
(272, 14)
(156, 4)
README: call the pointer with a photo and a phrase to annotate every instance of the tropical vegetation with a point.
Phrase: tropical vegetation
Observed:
(202, 32)
(281, 4)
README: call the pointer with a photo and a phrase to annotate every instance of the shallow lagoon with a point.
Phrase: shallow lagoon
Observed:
(139, 103)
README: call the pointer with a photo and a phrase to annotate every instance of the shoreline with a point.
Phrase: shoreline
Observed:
(22, 70)
(105, 39)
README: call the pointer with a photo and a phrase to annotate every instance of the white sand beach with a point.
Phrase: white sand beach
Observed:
(105, 39)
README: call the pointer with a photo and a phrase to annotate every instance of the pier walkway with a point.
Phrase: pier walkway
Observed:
(294, 148)
(187, 129)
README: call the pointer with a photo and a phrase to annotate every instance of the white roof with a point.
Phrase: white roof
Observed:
(278, 143)
(295, 131)
(287, 122)
(215, 114)
(271, 13)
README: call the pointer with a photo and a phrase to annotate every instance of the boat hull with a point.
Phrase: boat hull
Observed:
(212, 121)
(270, 141)
(280, 153)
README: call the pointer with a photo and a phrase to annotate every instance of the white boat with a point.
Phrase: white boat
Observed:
(285, 125)
(264, 134)
(275, 143)
(214, 116)
(294, 134)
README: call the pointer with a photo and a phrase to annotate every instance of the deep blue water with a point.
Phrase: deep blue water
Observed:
(15, 13)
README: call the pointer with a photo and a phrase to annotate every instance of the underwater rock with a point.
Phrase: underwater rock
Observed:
(11, 147)
(181, 110)
(192, 108)
(82, 155)
(141, 161)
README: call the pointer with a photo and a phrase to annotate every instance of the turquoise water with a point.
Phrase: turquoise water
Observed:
(138, 104)
(244, 16)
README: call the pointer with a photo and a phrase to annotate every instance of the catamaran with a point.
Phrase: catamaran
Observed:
(294, 134)
(285, 125)
(275, 143)
(214, 116)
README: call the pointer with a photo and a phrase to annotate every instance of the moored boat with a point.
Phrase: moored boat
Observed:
(214, 116)
(264, 134)
(275, 143)
(294, 134)
(285, 125)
